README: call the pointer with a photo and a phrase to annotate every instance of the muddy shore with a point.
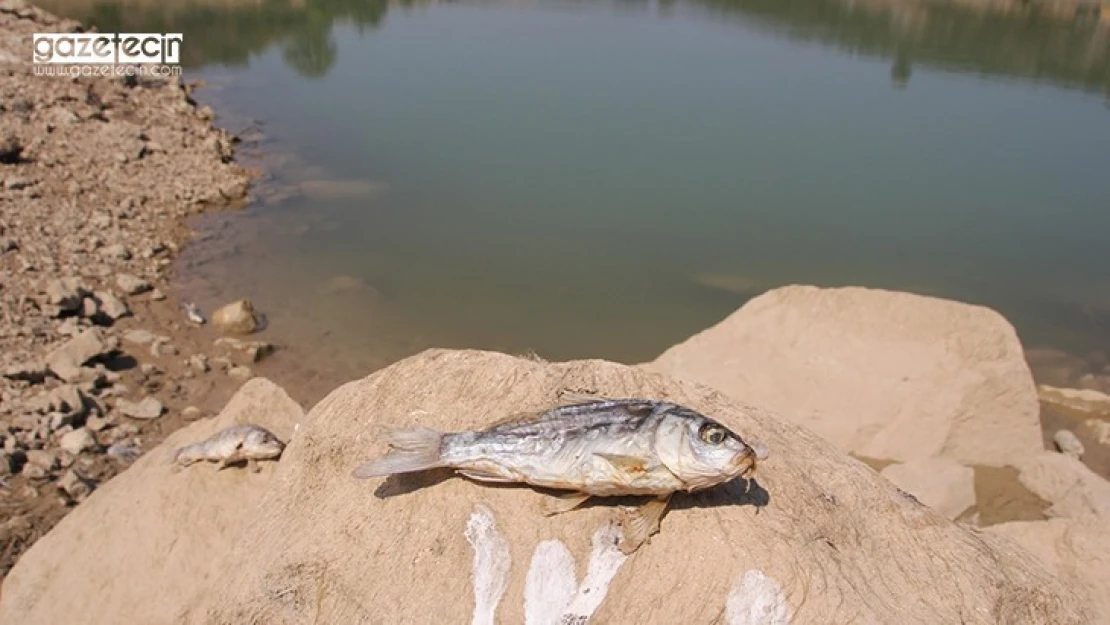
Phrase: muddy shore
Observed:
(97, 179)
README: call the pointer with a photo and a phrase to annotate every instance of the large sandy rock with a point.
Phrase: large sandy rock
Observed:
(1074, 490)
(834, 542)
(940, 483)
(144, 547)
(881, 374)
(1076, 551)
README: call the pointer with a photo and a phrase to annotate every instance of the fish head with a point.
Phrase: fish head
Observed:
(701, 452)
(264, 444)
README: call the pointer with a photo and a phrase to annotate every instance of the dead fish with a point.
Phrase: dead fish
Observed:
(193, 313)
(233, 444)
(599, 448)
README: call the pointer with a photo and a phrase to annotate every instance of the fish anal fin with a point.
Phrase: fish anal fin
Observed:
(626, 464)
(638, 526)
(485, 476)
(559, 504)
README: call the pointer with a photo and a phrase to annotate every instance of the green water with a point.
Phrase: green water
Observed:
(581, 179)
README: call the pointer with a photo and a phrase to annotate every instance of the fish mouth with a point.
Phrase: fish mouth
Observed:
(747, 466)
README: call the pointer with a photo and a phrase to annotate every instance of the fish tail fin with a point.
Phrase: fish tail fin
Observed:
(412, 449)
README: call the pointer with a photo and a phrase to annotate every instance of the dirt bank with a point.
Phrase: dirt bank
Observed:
(97, 178)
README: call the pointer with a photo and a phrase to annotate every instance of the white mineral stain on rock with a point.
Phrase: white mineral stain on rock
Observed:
(552, 595)
(756, 600)
(550, 585)
(491, 564)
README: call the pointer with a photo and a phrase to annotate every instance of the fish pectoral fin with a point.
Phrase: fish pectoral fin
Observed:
(626, 464)
(484, 476)
(563, 503)
(638, 525)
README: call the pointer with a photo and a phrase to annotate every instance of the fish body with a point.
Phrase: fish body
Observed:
(237, 443)
(600, 448)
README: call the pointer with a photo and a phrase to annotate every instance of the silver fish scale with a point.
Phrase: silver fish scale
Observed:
(617, 426)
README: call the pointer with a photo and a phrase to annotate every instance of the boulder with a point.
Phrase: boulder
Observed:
(1074, 490)
(236, 318)
(820, 538)
(1076, 551)
(940, 483)
(881, 374)
(141, 548)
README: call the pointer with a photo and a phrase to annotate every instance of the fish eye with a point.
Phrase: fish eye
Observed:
(712, 434)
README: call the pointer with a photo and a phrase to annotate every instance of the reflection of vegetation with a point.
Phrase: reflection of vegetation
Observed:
(944, 35)
(907, 33)
(229, 34)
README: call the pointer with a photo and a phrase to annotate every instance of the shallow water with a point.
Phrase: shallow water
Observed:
(603, 179)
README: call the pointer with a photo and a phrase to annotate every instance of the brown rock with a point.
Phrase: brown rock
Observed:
(66, 361)
(881, 374)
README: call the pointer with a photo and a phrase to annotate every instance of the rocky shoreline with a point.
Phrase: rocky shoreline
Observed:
(97, 178)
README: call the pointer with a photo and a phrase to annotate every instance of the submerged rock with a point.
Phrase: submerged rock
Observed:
(1068, 443)
(236, 318)
(880, 374)
(1083, 400)
(940, 483)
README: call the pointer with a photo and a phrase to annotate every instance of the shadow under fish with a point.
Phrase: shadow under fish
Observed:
(598, 448)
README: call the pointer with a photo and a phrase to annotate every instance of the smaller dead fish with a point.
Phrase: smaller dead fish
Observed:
(234, 444)
(193, 313)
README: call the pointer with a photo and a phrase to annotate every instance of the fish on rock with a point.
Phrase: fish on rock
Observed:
(602, 447)
(237, 443)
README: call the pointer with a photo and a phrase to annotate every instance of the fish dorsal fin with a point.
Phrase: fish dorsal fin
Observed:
(626, 464)
(518, 418)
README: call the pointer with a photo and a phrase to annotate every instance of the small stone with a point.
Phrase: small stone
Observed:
(191, 413)
(1100, 429)
(162, 347)
(60, 421)
(66, 294)
(78, 441)
(69, 399)
(111, 306)
(118, 251)
(89, 308)
(77, 487)
(1068, 443)
(66, 361)
(157, 295)
(69, 327)
(97, 423)
(148, 408)
(132, 285)
(6, 464)
(43, 459)
(199, 362)
(236, 318)
(140, 337)
(33, 471)
(127, 451)
(240, 373)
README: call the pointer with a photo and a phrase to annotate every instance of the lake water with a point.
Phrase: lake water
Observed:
(602, 179)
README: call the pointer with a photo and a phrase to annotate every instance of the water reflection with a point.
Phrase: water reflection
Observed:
(1070, 53)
